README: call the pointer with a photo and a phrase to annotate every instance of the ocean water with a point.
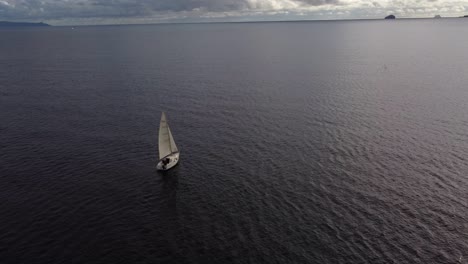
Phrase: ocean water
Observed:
(301, 142)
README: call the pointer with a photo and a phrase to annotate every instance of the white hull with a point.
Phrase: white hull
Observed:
(173, 160)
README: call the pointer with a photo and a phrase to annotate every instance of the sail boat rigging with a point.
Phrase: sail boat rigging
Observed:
(168, 151)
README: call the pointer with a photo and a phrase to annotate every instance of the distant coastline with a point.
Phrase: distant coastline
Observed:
(22, 24)
(391, 17)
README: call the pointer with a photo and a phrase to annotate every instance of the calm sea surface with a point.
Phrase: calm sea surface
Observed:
(308, 142)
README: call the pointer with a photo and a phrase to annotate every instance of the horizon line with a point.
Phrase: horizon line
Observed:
(258, 21)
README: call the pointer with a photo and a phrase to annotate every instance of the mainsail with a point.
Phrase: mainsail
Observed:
(167, 145)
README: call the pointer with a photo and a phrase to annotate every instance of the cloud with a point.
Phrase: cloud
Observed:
(128, 11)
(122, 8)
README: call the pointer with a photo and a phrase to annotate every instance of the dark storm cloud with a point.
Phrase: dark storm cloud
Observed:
(58, 9)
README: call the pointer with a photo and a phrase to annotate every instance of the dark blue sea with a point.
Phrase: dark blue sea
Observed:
(301, 142)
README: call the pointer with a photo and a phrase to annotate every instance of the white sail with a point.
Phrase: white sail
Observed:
(167, 145)
(171, 139)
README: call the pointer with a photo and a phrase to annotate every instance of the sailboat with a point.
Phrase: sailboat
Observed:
(168, 152)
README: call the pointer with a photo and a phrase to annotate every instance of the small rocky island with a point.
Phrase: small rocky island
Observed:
(22, 24)
(390, 17)
(437, 16)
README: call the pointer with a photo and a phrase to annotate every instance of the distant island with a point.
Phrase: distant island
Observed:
(390, 17)
(22, 24)
(437, 16)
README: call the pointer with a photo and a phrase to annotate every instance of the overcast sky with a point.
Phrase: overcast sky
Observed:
(70, 12)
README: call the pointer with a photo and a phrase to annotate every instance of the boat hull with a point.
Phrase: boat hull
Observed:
(173, 160)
